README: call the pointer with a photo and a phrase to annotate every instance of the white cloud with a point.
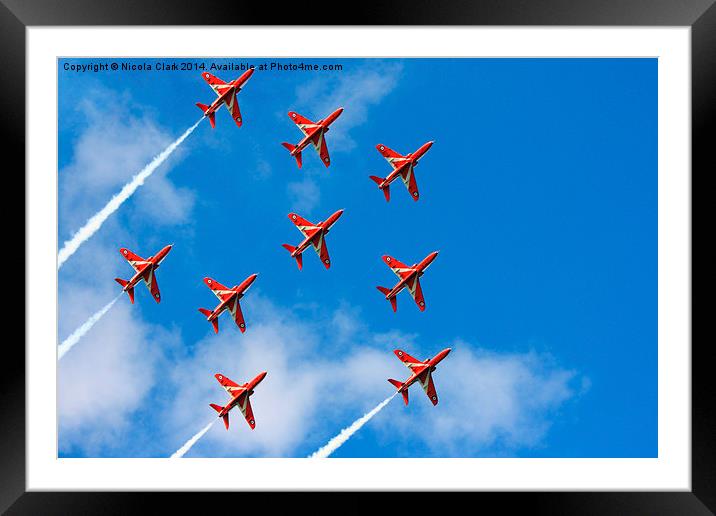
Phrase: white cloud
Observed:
(108, 374)
(323, 372)
(283, 403)
(489, 402)
(346, 322)
(355, 90)
(104, 379)
(165, 203)
(303, 195)
(263, 169)
(118, 139)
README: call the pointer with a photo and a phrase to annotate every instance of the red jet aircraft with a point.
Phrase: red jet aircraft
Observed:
(239, 398)
(229, 298)
(409, 277)
(315, 235)
(144, 270)
(422, 372)
(314, 132)
(402, 167)
(226, 93)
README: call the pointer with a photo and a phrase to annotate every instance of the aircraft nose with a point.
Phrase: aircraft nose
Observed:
(443, 354)
(430, 258)
(260, 377)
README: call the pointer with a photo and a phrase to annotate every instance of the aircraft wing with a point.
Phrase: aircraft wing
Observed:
(417, 292)
(322, 250)
(304, 124)
(390, 155)
(228, 384)
(221, 291)
(399, 268)
(238, 315)
(411, 363)
(426, 381)
(137, 262)
(307, 228)
(151, 280)
(216, 84)
(233, 106)
(245, 408)
(319, 142)
(408, 177)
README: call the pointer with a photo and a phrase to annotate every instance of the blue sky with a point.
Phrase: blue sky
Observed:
(540, 193)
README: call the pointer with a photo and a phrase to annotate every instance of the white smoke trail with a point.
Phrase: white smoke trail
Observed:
(346, 433)
(80, 332)
(95, 222)
(191, 442)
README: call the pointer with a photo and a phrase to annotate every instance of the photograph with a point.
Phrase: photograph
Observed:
(449, 252)
(514, 201)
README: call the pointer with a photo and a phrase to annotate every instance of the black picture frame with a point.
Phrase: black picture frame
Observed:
(16, 15)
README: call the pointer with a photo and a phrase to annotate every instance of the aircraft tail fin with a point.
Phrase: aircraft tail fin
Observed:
(386, 188)
(395, 383)
(405, 396)
(398, 385)
(130, 291)
(214, 321)
(298, 257)
(297, 155)
(210, 116)
(393, 300)
(225, 417)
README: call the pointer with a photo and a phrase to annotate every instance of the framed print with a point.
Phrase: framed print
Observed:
(503, 302)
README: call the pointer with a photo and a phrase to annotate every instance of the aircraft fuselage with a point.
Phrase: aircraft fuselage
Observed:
(237, 293)
(230, 88)
(152, 264)
(245, 390)
(406, 165)
(430, 366)
(324, 229)
(418, 269)
(321, 127)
